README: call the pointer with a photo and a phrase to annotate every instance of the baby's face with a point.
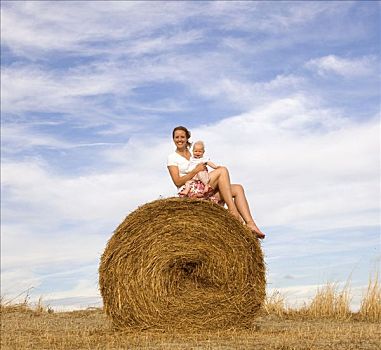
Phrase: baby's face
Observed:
(198, 151)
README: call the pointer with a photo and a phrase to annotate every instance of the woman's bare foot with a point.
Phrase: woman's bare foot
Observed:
(235, 213)
(253, 227)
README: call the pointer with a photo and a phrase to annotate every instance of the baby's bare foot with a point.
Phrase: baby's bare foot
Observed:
(206, 188)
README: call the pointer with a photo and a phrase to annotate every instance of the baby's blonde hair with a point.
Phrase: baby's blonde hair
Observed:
(200, 143)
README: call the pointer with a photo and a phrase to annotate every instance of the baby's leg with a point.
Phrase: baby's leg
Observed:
(203, 176)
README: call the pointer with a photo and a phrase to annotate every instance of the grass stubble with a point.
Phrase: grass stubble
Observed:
(325, 323)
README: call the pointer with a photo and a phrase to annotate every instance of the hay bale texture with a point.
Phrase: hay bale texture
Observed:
(182, 263)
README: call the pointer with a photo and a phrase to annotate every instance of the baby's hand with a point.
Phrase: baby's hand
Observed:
(200, 167)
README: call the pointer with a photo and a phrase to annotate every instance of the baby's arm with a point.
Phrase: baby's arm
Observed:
(212, 165)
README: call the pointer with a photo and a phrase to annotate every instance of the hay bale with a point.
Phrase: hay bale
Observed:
(182, 263)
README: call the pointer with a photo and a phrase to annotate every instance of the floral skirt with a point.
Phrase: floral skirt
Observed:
(197, 191)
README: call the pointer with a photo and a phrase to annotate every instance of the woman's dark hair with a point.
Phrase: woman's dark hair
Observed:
(187, 133)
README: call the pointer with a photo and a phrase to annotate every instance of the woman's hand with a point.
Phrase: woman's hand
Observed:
(199, 167)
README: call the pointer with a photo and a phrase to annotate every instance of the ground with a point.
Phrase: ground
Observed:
(23, 328)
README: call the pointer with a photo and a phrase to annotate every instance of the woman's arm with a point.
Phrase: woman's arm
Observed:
(181, 180)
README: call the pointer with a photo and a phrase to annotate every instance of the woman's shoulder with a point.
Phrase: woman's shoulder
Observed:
(173, 155)
(175, 159)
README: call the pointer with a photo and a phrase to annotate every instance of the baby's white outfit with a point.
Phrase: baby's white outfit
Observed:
(203, 176)
(193, 162)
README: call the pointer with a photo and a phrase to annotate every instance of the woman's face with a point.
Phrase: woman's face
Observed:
(180, 139)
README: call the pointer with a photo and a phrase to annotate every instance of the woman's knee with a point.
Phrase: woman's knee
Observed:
(223, 170)
(218, 172)
(237, 189)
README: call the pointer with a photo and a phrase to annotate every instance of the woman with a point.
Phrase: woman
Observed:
(232, 194)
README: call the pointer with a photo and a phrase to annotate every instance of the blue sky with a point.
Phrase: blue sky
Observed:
(285, 94)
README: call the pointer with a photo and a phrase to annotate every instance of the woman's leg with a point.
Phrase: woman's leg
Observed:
(242, 205)
(220, 179)
(239, 207)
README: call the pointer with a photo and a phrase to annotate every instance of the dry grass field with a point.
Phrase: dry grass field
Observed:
(26, 329)
(325, 323)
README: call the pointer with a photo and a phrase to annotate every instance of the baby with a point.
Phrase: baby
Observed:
(203, 176)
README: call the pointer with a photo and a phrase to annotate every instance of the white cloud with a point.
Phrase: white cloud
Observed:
(51, 242)
(79, 91)
(34, 88)
(162, 43)
(346, 67)
(246, 93)
(18, 137)
(40, 23)
(100, 197)
(119, 64)
(134, 25)
(264, 17)
(296, 175)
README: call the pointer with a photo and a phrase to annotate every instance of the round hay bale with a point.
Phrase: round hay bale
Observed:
(182, 263)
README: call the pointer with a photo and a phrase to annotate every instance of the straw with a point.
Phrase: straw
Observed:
(182, 263)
